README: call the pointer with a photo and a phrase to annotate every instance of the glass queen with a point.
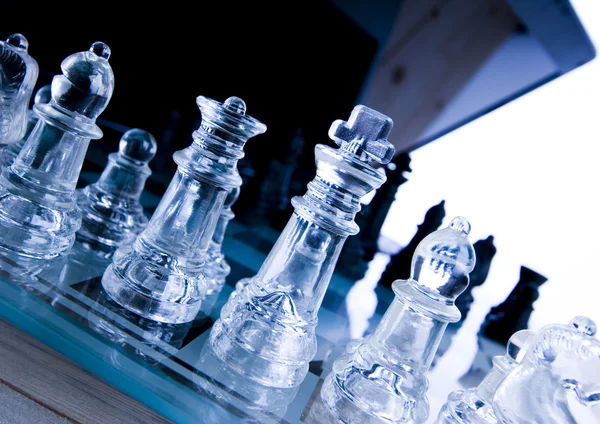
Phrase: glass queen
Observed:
(161, 274)
(267, 328)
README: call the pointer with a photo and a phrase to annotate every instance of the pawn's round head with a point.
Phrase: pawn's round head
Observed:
(43, 95)
(443, 260)
(19, 41)
(87, 82)
(138, 145)
(584, 325)
(232, 196)
(517, 345)
(236, 105)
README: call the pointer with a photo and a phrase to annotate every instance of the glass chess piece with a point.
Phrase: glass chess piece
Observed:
(558, 380)
(217, 269)
(475, 405)
(160, 275)
(266, 330)
(151, 340)
(38, 212)
(18, 75)
(10, 153)
(261, 403)
(110, 209)
(385, 378)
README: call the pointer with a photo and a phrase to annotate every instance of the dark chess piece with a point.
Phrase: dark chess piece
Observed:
(381, 203)
(513, 314)
(484, 252)
(274, 193)
(400, 264)
(265, 194)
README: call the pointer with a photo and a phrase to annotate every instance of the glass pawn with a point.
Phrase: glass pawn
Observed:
(475, 405)
(217, 269)
(10, 153)
(111, 212)
(385, 377)
(39, 214)
(558, 380)
(18, 75)
(159, 275)
(266, 330)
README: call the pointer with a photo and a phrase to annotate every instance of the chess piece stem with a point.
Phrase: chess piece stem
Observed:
(160, 275)
(351, 263)
(267, 328)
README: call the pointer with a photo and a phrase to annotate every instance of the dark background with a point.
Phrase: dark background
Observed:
(295, 64)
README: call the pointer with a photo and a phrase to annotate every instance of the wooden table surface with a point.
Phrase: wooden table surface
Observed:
(36, 381)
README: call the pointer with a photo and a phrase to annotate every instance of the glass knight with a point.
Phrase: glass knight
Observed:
(18, 75)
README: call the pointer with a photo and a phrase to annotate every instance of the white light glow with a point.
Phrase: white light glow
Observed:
(528, 174)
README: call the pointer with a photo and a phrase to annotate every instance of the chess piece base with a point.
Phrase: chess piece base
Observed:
(32, 230)
(355, 396)
(140, 288)
(258, 398)
(342, 408)
(107, 221)
(264, 371)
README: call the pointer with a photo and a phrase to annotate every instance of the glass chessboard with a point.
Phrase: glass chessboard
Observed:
(171, 368)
